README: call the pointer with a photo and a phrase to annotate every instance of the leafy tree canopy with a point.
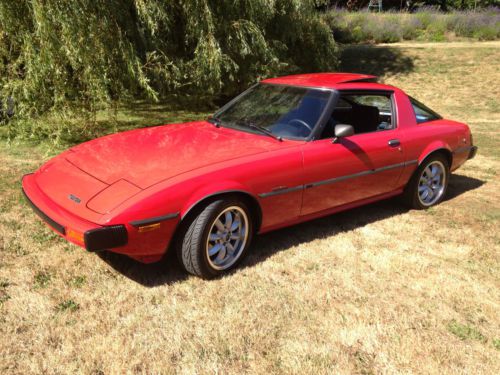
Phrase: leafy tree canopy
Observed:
(86, 53)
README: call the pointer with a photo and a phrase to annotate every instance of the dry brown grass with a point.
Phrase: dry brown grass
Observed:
(378, 289)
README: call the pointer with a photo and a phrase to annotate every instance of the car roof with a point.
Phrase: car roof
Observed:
(323, 80)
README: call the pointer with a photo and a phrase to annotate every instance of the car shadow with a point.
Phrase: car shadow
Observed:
(168, 270)
(271, 243)
(375, 60)
(460, 184)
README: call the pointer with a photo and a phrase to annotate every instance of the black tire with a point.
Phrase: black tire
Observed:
(411, 193)
(193, 246)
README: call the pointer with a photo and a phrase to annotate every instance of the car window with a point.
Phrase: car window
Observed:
(342, 103)
(364, 112)
(423, 113)
(382, 102)
(286, 111)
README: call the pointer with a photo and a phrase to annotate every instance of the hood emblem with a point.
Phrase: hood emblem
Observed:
(74, 198)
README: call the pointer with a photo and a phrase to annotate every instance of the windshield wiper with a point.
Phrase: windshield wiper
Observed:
(263, 130)
(215, 120)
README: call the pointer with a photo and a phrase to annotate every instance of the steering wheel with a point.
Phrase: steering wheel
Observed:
(300, 122)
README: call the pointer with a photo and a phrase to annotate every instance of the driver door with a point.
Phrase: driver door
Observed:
(364, 165)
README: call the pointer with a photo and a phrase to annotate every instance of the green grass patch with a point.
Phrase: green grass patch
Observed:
(42, 279)
(44, 234)
(4, 284)
(465, 332)
(77, 281)
(3, 292)
(68, 305)
(496, 344)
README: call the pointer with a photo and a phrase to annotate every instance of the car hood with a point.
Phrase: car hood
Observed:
(147, 156)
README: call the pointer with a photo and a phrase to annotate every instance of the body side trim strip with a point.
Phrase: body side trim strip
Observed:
(281, 191)
(153, 220)
(338, 179)
(359, 174)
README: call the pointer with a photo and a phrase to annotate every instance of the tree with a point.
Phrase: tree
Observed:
(84, 54)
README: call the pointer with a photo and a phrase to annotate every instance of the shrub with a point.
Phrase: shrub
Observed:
(487, 33)
(386, 30)
(475, 25)
(426, 24)
(411, 27)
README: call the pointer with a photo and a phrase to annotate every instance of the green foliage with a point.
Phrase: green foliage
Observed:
(78, 57)
(470, 4)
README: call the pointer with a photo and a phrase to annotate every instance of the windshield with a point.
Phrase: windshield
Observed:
(286, 111)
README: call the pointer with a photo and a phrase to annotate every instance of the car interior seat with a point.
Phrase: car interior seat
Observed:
(366, 118)
(363, 118)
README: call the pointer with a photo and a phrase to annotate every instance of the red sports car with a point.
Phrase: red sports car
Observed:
(287, 150)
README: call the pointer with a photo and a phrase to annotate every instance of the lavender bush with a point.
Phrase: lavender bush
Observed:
(426, 25)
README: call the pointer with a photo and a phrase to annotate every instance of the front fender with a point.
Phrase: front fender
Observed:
(217, 188)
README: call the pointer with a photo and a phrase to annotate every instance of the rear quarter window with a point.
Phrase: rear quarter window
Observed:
(422, 112)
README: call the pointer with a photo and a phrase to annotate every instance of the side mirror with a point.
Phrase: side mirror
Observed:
(342, 131)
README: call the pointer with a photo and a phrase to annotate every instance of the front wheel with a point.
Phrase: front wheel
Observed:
(428, 185)
(217, 238)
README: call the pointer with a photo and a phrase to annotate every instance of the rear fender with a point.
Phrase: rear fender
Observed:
(433, 147)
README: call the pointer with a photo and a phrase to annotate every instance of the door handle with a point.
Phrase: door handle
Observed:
(394, 143)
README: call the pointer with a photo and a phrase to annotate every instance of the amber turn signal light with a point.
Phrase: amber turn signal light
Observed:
(148, 228)
(73, 234)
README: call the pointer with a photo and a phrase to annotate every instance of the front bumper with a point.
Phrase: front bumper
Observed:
(91, 236)
(52, 223)
(127, 238)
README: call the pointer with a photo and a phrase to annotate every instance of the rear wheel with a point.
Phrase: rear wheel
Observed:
(217, 238)
(428, 185)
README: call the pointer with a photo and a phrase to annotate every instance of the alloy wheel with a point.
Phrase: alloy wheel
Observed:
(227, 238)
(432, 183)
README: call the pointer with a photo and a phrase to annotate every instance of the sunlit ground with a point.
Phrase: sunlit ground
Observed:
(378, 289)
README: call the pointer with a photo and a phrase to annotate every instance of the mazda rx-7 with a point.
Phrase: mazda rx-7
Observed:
(286, 150)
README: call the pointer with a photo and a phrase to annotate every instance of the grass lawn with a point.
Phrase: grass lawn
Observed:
(379, 289)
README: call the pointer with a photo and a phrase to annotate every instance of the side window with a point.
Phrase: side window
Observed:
(365, 112)
(423, 113)
(342, 104)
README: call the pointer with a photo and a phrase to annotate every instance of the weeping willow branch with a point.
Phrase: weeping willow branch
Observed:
(88, 54)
